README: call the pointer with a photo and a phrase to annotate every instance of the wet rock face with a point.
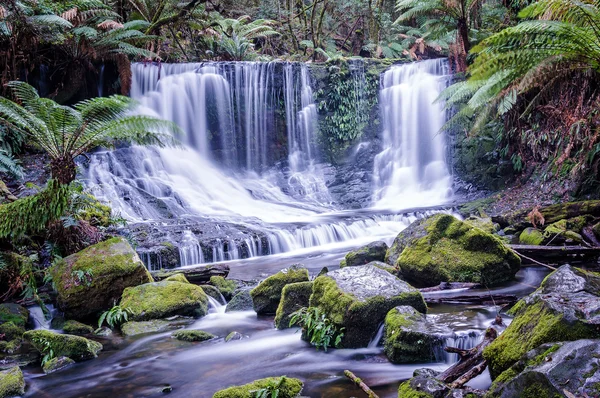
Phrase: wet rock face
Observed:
(75, 347)
(410, 337)
(92, 280)
(566, 307)
(442, 248)
(134, 328)
(550, 369)
(358, 299)
(240, 302)
(293, 297)
(267, 294)
(374, 251)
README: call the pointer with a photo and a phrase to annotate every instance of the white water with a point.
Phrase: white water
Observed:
(412, 169)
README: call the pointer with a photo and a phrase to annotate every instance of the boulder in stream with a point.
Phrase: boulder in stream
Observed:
(75, 347)
(177, 277)
(531, 236)
(163, 299)
(12, 383)
(565, 307)
(293, 297)
(374, 251)
(550, 370)
(192, 335)
(78, 328)
(288, 388)
(409, 337)
(266, 296)
(56, 364)
(441, 248)
(358, 299)
(240, 302)
(134, 328)
(93, 279)
(13, 318)
(226, 286)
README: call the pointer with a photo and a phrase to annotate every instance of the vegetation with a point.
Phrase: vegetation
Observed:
(114, 317)
(319, 329)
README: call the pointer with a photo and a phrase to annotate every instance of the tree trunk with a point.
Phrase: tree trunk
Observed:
(463, 32)
(63, 170)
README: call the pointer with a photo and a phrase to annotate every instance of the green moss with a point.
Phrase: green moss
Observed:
(453, 251)
(75, 347)
(534, 324)
(531, 236)
(163, 299)
(113, 265)
(11, 331)
(74, 327)
(542, 357)
(538, 391)
(374, 251)
(360, 318)
(476, 207)
(226, 287)
(293, 297)
(12, 383)
(266, 296)
(404, 341)
(56, 364)
(14, 313)
(289, 388)
(192, 335)
(97, 213)
(406, 391)
(134, 328)
(178, 277)
(212, 292)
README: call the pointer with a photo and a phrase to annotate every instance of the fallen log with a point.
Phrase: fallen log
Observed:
(532, 253)
(361, 384)
(553, 213)
(197, 275)
(474, 299)
(471, 362)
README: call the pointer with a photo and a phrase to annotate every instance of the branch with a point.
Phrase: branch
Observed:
(360, 383)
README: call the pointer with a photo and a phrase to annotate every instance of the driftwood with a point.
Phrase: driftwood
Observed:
(483, 298)
(198, 275)
(361, 384)
(471, 362)
(534, 254)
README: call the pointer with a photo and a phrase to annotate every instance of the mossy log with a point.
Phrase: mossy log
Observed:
(520, 220)
(471, 362)
(361, 384)
(554, 253)
(197, 275)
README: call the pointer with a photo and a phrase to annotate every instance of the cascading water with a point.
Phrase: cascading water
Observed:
(412, 169)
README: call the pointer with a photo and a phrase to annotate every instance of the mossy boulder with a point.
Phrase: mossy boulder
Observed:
(550, 369)
(11, 337)
(163, 299)
(424, 384)
(358, 299)
(134, 328)
(266, 296)
(177, 277)
(293, 297)
(226, 287)
(442, 248)
(15, 313)
(78, 328)
(56, 364)
(288, 388)
(92, 280)
(213, 292)
(374, 251)
(566, 307)
(240, 302)
(484, 223)
(564, 231)
(531, 236)
(409, 337)
(75, 347)
(12, 383)
(192, 335)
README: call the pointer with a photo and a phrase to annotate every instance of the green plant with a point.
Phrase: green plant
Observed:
(272, 390)
(65, 132)
(45, 348)
(82, 277)
(9, 166)
(238, 35)
(319, 329)
(116, 316)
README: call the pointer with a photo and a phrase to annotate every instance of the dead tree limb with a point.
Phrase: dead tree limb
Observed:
(361, 384)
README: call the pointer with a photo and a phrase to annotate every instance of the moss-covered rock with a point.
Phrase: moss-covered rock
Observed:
(531, 236)
(409, 337)
(358, 299)
(564, 231)
(177, 277)
(11, 337)
(293, 297)
(374, 251)
(78, 328)
(163, 299)
(56, 364)
(484, 223)
(213, 292)
(266, 296)
(550, 369)
(226, 287)
(192, 335)
(240, 302)
(442, 248)
(134, 328)
(15, 313)
(93, 279)
(423, 385)
(75, 347)
(12, 383)
(565, 307)
(288, 388)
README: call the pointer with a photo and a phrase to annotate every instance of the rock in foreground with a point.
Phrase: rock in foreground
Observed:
(12, 383)
(288, 388)
(266, 296)
(293, 297)
(358, 299)
(75, 347)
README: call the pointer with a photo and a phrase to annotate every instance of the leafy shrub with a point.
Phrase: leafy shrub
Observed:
(318, 328)
(272, 390)
(115, 317)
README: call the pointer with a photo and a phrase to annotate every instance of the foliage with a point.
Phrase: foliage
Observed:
(9, 166)
(45, 346)
(114, 317)
(271, 390)
(319, 329)
(238, 34)
(66, 132)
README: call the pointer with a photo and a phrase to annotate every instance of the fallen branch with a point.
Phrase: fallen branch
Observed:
(534, 261)
(361, 384)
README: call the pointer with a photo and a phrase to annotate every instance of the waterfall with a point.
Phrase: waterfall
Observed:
(412, 170)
